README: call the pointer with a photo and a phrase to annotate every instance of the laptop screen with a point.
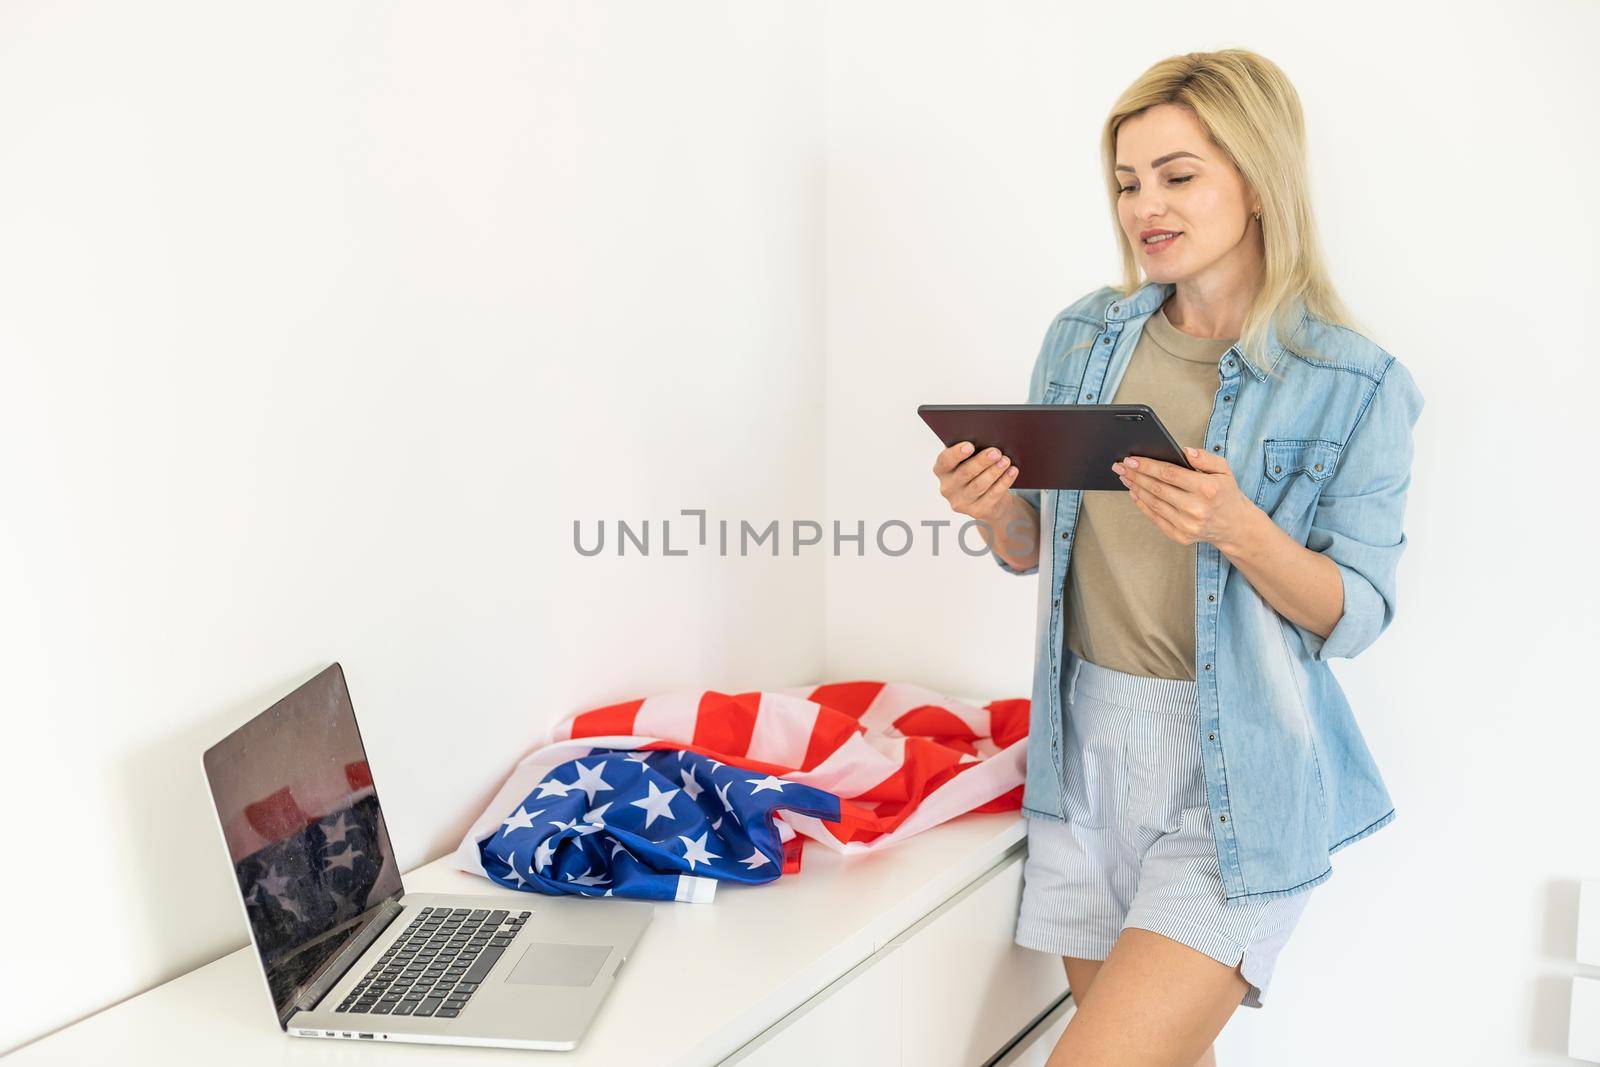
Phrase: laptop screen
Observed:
(304, 830)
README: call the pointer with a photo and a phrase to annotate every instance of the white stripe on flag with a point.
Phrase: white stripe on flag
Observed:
(782, 730)
(695, 889)
(856, 766)
(671, 716)
(893, 701)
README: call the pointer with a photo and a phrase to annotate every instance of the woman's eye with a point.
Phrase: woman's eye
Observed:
(1175, 181)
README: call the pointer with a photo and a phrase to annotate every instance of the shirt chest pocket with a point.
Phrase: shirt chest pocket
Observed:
(1295, 470)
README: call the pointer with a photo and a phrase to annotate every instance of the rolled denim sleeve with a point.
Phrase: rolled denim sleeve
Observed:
(1036, 387)
(1360, 515)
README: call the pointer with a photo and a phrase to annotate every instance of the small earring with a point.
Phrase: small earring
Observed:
(1257, 216)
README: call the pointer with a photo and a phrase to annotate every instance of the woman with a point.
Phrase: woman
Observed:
(1192, 762)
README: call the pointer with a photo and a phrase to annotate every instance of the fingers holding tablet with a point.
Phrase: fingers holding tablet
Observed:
(974, 485)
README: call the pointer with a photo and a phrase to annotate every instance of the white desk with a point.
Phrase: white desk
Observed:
(707, 981)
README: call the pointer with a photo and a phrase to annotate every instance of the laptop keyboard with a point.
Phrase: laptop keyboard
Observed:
(434, 967)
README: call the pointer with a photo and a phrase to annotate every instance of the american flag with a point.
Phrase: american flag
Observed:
(664, 797)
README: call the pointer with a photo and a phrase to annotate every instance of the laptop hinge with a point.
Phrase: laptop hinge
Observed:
(328, 975)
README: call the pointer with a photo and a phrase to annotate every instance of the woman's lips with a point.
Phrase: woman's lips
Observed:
(1161, 246)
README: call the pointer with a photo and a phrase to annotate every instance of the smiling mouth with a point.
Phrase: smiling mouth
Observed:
(1161, 239)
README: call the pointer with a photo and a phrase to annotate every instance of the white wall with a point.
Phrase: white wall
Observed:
(1452, 162)
(318, 328)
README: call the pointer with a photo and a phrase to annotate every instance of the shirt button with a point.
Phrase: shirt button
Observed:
(1056, 603)
(1208, 666)
(1223, 817)
(1216, 448)
(1318, 466)
(1276, 469)
(1113, 309)
(1211, 596)
(1088, 396)
(1063, 535)
(1230, 362)
(1227, 398)
(1211, 737)
(1105, 340)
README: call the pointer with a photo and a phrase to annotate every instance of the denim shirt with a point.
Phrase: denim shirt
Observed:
(1324, 448)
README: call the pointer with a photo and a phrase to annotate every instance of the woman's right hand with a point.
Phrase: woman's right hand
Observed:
(977, 486)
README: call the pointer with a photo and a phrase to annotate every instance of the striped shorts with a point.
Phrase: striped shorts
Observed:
(1137, 847)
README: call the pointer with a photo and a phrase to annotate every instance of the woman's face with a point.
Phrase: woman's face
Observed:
(1175, 180)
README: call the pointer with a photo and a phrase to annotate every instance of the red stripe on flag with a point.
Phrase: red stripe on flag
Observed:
(852, 698)
(922, 760)
(940, 724)
(724, 723)
(277, 816)
(1008, 721)
(359, 775)
(831, 729)
(791, 854)
(856, 822)
(927, 766)
(612, 719)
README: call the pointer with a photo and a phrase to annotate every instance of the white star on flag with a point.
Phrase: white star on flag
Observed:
(511, 862)
(619, 847)
(597, 815)
(522, 820)
(274, 884)
(590, 780)
(640, 757)
(691, 787)
(696, 850)
(657, 803)
(755, 859)
(578, 825)
(554, 786)
(542, 854)
(345, 859)
(718, 824)
(344, 828)
(588, 878)
(769, 782)
(722, 795)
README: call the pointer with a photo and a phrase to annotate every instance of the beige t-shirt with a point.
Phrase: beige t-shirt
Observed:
(1130, 597)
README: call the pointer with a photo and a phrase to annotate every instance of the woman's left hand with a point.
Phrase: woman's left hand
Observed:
(1204, 504)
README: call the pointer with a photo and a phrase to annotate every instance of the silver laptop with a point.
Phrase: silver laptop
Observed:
(346, 951)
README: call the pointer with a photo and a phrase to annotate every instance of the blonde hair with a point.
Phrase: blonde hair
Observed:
(1251, 112)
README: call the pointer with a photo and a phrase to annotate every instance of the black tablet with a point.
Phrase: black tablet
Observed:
(1058, 446)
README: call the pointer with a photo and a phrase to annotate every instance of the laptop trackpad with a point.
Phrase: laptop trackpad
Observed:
(547, 963)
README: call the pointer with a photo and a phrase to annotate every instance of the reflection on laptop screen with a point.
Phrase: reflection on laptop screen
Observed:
(304, 830)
